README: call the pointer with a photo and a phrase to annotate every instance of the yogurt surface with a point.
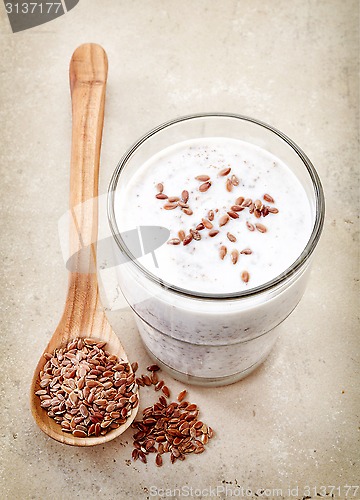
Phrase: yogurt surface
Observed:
(270, 243)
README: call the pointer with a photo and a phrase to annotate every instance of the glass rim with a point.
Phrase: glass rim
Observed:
(265, 287)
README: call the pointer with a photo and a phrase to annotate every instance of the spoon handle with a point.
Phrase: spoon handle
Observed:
(88, 74)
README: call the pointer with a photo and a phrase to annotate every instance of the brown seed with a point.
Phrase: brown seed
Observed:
(160, 187)
(181, 395)
(187, 239)
(161, 196)
(234, 256)
(250, 226)
(170, 206)
(153, 368)
(247, 202)
(146, 380)
(245, 276)
(222, 252)
(200, 227)
(154, 378)
(210, 432)
(185, 196)
(231, 237)
(257, 213)
(182, 204)
(224, 220)
(135, 454)
(251, 208)
(239, 200)
(202, 178)
(191, 407)
(234, 180)
(213, 233)
(261, 228)
(158, 460)
(174, 241)
(159, 385)
(224, 171)
(273, 210)
(264, 211)
(79, 434)
(211, 215)
(181, 235)
(195, 234)
(173, 199)
(246, 251)
(207, 224)
(166, 391)
(233, 215)
(204, 187)
(142, 456)
(229, 185)
(187, 211)
(134, 366)
(140, 382)
(268, 198)
(258, 204)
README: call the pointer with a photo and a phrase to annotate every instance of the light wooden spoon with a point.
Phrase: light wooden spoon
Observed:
(83, 315)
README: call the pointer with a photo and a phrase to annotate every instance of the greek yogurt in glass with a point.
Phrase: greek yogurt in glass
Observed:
(241, 223)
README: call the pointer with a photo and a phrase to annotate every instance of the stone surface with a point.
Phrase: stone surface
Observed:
(294, 422)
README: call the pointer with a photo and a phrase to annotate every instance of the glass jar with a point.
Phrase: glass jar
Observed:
(212, 339)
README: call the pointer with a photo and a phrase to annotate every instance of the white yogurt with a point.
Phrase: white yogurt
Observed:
(197, 266)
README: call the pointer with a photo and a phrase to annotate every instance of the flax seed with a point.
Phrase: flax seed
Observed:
(233, 215)
(202, 178)
(161, 196)
(207, 224)
(234, 180)
(261, 228)
(211, 215)
(170, 206)
(224, 171)
(174, 241)
(246, 251)
(187, 239)
(222, 252)
(224, 220)
(234, 256)
(231, 237)
(213, 233)
(204, 187)
(187, 211)
(185, 196)
(268, 198)
(245, 276)
(181, 235)
(229, 185)
(181, 395)
(250, 226)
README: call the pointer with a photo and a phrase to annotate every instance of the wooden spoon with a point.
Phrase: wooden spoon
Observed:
(83, 315)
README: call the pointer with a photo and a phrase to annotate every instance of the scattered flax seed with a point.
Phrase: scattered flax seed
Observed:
(224, 219)
(153, 368)
(246, 251)
(251, 208)
(146, 380)
(247, 202)
(174, 241)
(172, 199)
(239, 200)
(204, 187)
(250, 226)
(222, 252)
(187, 239)
(229, 185)
(237, 208)
(200, 227)
(134, 366)
(257, 213)
(202, 178)
(264, 211)
(181, 235)
(182, 204)
(231, 237)
(258, 204)
(185, 196)
(187, 211)
(261, 228)
(161, 196)
(171, 428)
(207, 224)
(273, 210)
(268, 198)
(211, 215)
(213, 233)
(233, 215)
(234, 256)
(234, 180)
(170, 206)
(166, 391)
(224, 171)
(87, 390)
(160, 187)
(159, 385)
(245, 276)
(195, 234)
(181, 395)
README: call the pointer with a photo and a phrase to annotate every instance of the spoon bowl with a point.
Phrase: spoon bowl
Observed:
(83, 316)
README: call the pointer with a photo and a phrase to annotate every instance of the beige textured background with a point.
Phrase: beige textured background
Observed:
(293, 64)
